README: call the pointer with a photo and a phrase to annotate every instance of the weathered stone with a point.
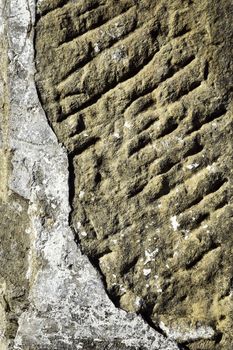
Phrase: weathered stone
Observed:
(14, 242)
(139, 93)
(51, 297)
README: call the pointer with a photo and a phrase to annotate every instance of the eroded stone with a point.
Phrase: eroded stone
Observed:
(139, 94)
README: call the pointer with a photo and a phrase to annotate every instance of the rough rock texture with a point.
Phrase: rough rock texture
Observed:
(51, 297)
(140, 93)
(14, 243)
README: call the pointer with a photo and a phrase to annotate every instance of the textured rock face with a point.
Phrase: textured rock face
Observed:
(51, 297)
(139, 93)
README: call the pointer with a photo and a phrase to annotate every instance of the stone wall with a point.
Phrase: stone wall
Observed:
(51, 296)
(116, 192)
(139, 93)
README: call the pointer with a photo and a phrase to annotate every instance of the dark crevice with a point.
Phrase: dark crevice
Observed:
(183, 346)
(206, 71)
(218, 337)
(100, 255)
(136, 189)
(195, 201)
(129, 265)
(196, 148)
(221, 110)
(91, 101)
(136, 95)
(167, 166)
(216, 185)
(185, 62)
(98, 178)
(228, 290)
(221, 204)
(95, 263)
(169, 128)
(198, 258)
(71, 186)
(148, 124)
(200, 218)
(79, 127)
(82, 147)
(146, 317)
(197, 123)
(142, 142)
(185, 91)
(182, 32)
(165, 189)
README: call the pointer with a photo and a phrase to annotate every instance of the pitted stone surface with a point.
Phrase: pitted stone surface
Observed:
(139, 92)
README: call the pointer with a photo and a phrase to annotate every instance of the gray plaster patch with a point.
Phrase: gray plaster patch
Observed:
(69, 308)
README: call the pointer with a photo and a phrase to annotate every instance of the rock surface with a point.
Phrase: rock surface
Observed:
(51, 297)
(140, 95)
